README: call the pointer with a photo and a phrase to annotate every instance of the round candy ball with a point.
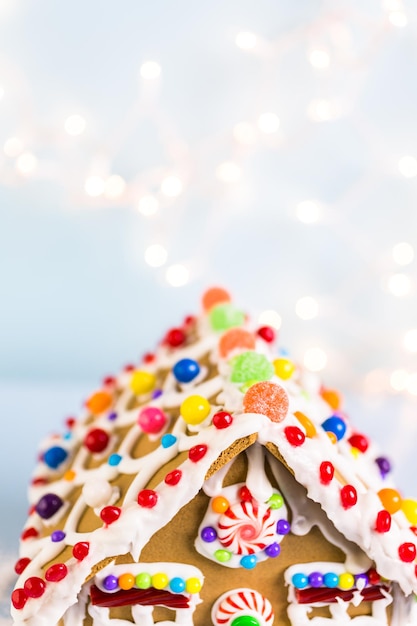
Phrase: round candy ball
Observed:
(55, 456)
(186, 370)
(335, 425)
(152, 420)
(48, 505)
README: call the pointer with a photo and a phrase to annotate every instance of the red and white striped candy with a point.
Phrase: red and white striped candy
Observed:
(242, 602)
(246, 528)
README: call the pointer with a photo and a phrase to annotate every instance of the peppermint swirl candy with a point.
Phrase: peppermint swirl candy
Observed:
(239, 602)
(246, 528)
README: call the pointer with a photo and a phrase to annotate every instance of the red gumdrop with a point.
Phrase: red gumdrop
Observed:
(348, 496)
(267, 333)
(244, 494)
(222, 419)
(21, 565)
(326, 472)
(28, 533)
(196, 453)
(81, 550)
(294, 435)
(147, 498)
(359, 441)
(56, 572)
(34, 587)
(175, 337)
(19, 598)
(110, 514)
(383, 522)
(173, 478)
(96, 440)
(407, 552)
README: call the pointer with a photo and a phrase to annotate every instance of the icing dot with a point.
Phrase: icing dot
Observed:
(223, 555)
(283, 527)
(326, 472)
(267, 399)
(213, 296)
(332, 397)
(251, 366)
(208, 534)
(57, 535)
(126, 581)
(114, 459)
(346, 581)
(55, 456)
(48, 505)
(219, 504)
(34, 587)
(273, 550)
(284, 368)
(306, 424)
(159, 580)
(175, 337)
(21, 565)
(245, 620)
(97, 492)
(348, 496)
(248, 561)
(267, 333)
(331, 580)
(383, 522)
(110, 582)
(244, 494)
(110, 514)
(186, 370)
(193, 585)
(222, 420)
(195, 409)
(300, 581)
(407, 552)
(152, 420)
(99, 402)
(196, 453)
(360, 442)
(96, 440)
(29, 533)
(168, 440)
(147, 498)
(56, 572)
(142, 382)
(391, 500)
(173, 478)
(384, 465)
(19, 598)
(81, 550)
(234, 339)
(335, 425)
(409, 508)
(143, 580)
(294, 435)
(275, 501)
(177, 585)
(315, 579)
(225, 316)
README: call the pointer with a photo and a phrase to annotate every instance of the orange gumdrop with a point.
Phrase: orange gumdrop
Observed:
(268, 399)
(332, 397)
(236, 338)
(99, 402)
(391, 500)
(214, 296)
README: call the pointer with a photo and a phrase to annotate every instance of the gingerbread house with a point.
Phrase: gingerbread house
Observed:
(219, 483)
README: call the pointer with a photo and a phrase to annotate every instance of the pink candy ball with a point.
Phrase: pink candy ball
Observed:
(152, 420)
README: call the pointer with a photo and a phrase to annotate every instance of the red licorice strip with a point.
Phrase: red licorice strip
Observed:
(326, 594)
(145, 597)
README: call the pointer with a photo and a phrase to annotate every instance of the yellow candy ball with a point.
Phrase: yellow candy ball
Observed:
(142, 382)
(409, 508)
(126, 581)
(284, 368)
(346, 581)
(193, 585)
(220, 504)
(160, 580)
(195, 409)
(306, 423)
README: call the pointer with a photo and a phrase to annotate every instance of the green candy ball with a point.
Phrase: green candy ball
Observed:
(251, 366)
(245, 620)
(225, 316)
(223, 555)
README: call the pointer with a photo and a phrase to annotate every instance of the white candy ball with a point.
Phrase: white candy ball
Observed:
(97, 492)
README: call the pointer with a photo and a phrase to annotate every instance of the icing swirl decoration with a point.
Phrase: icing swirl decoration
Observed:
(233, 606)
(246, 528)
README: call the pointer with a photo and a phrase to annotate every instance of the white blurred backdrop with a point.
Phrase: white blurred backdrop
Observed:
(151, 149)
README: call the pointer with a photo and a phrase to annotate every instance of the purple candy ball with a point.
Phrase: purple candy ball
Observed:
(315, 579)
(273, 550)
(283, 527)
(361, 580)
(58, 535)
(48, 505)
(384, 465)
(110, 582)
(157, 393)
(112, 416)
(208, 534)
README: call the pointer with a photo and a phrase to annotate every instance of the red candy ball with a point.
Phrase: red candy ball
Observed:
(196, 453)
(21, 565)
(173, 478)
(383, 522)
(222, 419)
(34, 587)
(110, 514)
(19, 598)
(374, 577)
(244, 494)
(148, 357)
(326, 472)
(81, 550)
(294, 435)
(348, 496)
(147, 498)
(407, 552)
(56, 572)
(359, 441)
(175, 337)
(267, 333)
(96, 440)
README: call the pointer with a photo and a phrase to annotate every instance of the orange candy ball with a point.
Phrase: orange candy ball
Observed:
(268, 399)
(214, 296)
(236, 338)
(126, 581)
(99, 402)
(391, 500)
(219, 504)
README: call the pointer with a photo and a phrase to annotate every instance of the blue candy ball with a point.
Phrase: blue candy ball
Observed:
(249, 561)
(331, 580)
(300, 581)
(335, 425)
(177, 585)
(55, 456)
(186, 370)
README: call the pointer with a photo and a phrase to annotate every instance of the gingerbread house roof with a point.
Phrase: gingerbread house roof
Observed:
(150, 437)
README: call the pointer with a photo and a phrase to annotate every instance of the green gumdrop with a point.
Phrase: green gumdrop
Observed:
(245, 620)
(251, 366)
(225, 316)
